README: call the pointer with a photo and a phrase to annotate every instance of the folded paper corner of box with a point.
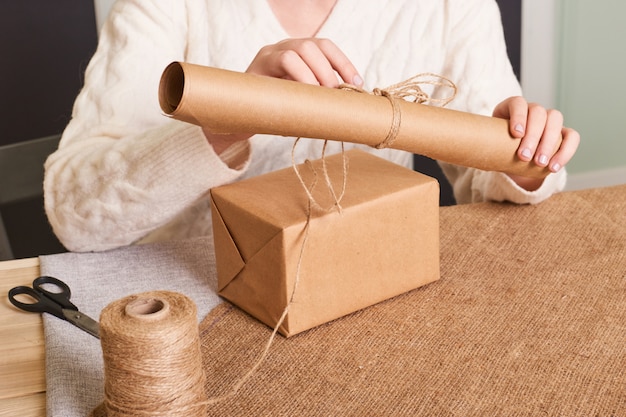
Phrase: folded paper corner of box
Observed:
(229, 261)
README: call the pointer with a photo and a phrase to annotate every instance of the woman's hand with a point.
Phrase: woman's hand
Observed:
(540, 131)
(310, 60)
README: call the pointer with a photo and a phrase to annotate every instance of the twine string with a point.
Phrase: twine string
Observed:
(312, 203)
(409, 90)
(329, 185)
(138, 381)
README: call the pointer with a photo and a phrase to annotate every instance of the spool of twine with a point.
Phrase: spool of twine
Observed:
(152, 358)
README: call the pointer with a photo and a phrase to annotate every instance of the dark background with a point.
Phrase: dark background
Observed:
(512, 20)
(45, 46)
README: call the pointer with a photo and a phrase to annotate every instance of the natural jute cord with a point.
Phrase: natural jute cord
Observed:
(408, 90)
(152, 358)
(312, 203)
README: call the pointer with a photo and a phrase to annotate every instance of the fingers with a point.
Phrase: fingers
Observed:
(550, 138)
(516, 110)
(339, 62)
(569, 145)
(312, 61)
(544, 139)
(540, 134)
(546, 142)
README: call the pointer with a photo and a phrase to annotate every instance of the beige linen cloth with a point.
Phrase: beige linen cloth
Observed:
(74, 366)
(529, 318)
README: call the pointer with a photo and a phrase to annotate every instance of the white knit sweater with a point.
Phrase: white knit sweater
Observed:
(125, 173)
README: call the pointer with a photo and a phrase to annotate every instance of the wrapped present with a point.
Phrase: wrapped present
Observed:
(381, 240)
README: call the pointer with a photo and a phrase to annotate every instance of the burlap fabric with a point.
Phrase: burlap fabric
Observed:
(529, 319)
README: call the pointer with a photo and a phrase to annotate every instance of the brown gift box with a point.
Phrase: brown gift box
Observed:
(383, 242)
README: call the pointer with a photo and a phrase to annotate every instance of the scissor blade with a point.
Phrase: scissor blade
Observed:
(82, 321)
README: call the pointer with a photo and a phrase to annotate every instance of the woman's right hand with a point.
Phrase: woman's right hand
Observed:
(309, 60)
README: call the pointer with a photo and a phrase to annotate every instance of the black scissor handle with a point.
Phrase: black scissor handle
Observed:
(61, 297)
(42, 304)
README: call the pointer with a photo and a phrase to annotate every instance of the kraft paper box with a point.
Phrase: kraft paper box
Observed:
(383, 242)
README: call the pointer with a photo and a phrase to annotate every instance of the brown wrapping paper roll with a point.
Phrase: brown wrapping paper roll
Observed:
(232, 102)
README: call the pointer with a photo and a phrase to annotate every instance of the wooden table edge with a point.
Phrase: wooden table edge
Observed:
(31, 403)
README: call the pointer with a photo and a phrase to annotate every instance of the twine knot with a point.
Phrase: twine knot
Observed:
(409, 90)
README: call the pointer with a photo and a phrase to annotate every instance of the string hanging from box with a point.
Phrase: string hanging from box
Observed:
(311, 204)
(309, 189)
(409, 90)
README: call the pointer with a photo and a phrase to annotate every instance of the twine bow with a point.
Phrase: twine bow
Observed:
(409, 90)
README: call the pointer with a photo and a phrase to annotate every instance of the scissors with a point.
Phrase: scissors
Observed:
(56, 303)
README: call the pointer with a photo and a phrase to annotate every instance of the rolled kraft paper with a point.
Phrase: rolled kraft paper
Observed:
(231, 102)
(152, 357)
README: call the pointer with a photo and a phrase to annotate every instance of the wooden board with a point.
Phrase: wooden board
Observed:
(22, 371)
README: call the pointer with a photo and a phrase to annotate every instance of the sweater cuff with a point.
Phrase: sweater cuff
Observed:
(186, 157)
(233, 161)
(497, 186)
(237, 155)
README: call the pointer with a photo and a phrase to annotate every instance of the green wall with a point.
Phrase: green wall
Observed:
(591, 80)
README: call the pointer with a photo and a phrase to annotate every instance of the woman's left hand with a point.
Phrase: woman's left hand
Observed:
(544, 139)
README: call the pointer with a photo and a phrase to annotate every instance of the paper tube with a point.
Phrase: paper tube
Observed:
(231, 102)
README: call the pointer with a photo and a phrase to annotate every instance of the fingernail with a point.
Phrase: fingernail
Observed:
(556, 167)
(519, 128)
(527, 154)
(357, 80)
(543, 160)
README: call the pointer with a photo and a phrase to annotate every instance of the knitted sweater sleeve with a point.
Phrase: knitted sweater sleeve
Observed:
(123, 169)
(478, 63)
